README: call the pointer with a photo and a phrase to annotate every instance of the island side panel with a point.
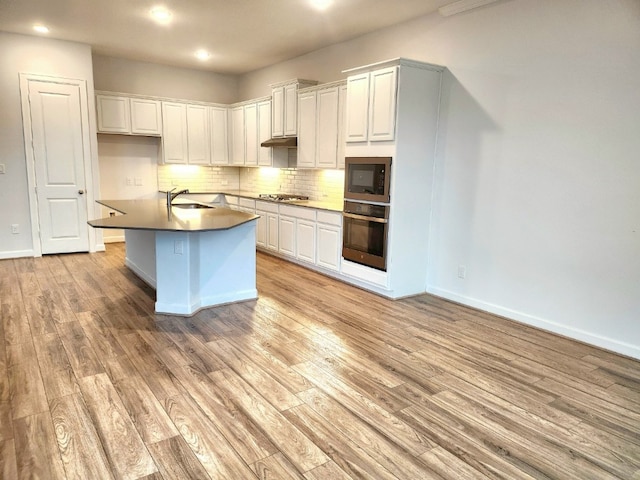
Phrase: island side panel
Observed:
(140, 254)
(196, 270)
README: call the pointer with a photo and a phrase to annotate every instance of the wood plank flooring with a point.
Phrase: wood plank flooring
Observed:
(314, 380)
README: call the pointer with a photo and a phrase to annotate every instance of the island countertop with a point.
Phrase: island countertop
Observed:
(153, 215)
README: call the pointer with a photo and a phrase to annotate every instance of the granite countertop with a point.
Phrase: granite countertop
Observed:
(330, 205)
(153, 215)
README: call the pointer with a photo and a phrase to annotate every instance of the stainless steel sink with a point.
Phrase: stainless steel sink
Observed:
(191, 205)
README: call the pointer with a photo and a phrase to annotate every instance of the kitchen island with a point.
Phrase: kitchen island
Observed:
(194, 257)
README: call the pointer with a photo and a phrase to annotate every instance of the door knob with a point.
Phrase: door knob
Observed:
(81, 192)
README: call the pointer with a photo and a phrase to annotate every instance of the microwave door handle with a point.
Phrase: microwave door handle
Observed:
(362, 217)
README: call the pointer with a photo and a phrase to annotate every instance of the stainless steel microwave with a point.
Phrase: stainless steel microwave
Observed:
(367, 179)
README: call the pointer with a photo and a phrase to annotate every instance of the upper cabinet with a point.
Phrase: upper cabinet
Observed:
(186, 133)
(128, 115)
(320, 126)
(371, 105)
(285, 105)
(265, 154)
(218, 135)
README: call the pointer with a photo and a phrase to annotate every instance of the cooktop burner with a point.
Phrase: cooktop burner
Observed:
(283, 197)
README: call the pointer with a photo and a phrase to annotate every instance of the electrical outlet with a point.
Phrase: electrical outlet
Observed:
(224, 183)
(15, 228)
(462, 271)
(129, 181)
(138, 181)
(178, 247)
(2, 168)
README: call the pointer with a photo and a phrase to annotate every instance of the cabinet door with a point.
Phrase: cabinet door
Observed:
(290, 109)
(277, 117)
(307, 130)
(287, 236)
(113, 114)
(174, 132)
(261, 230)
(357, 107)
(219, 132)
(342, 111)
(382, 104)
(306, 241)
(146, 118)
(329, 246)
(198, 135)
(237, 136)
(251, 134)
(327, 128)
(264, 133)
(272, 231)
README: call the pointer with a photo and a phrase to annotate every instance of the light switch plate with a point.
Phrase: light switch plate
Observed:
(2, 168)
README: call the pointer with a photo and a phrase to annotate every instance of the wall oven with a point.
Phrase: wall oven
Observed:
(367, 179)
(365, 229)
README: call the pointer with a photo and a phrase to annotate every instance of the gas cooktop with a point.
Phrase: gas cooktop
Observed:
(283, 197)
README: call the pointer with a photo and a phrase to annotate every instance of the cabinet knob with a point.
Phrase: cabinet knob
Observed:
(81, 192)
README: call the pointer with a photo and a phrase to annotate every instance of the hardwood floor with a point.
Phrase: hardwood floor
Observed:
(315, 380)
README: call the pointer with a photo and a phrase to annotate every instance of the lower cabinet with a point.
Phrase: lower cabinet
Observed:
(287, 236)
(329, 234)
(306, 240)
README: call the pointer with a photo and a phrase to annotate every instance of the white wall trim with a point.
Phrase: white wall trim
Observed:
(16, 254)
(544, 324)
(113, 239)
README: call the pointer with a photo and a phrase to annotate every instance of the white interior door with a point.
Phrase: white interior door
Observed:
(59, 157)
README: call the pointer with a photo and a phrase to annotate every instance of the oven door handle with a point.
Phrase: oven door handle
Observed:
(362, 217)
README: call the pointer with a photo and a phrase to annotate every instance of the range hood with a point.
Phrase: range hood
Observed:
(287, 142)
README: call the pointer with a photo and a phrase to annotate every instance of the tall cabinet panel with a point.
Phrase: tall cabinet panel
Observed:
(382, 105)
(307, 129)
(198, 134)
(265, 154)
(219, 135)
(174, 132)
(251, 134)
(237, 136)
(357, 108)
(327, 128)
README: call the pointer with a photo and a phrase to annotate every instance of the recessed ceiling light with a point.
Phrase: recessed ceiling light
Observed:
(321, 4)
(161, 15)
(41, 29)
(202, 55)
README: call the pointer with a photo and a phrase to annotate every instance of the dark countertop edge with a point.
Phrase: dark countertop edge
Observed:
(316, 204)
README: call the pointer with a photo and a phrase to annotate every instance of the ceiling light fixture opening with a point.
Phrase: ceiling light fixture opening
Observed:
(41, 29)
(321, 4)
(161, 15)
(202, 55)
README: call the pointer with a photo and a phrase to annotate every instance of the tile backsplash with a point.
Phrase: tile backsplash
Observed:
(317, 184)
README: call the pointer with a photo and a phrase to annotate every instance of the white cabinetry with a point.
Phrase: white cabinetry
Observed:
(174, 132)
(237, 135)
(267, 235)
(198, 135)
(264, 133)
(371, 105)
(287, 235)
(320, 124)
(251, 134)
(392, 110)
(185, 133)
(285, 105)
(219, 133)
(128, 115)
(329, 238)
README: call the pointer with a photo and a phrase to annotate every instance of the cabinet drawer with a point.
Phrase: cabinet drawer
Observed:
(247, 203)
(298, 212)
(331, 218)
(267, 207)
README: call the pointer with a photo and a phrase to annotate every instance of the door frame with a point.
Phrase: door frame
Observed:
(89, 141)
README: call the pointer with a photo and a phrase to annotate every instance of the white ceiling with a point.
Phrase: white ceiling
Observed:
(242, 35)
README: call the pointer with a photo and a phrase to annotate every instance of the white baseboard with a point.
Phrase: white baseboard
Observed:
(114, 239)
(554, 327)
(16, 254)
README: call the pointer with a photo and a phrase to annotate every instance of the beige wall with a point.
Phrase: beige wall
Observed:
(129, 76)
(537, 188)
(29, 54)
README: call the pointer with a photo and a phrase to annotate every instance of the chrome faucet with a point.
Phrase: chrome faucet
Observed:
(171, 196)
